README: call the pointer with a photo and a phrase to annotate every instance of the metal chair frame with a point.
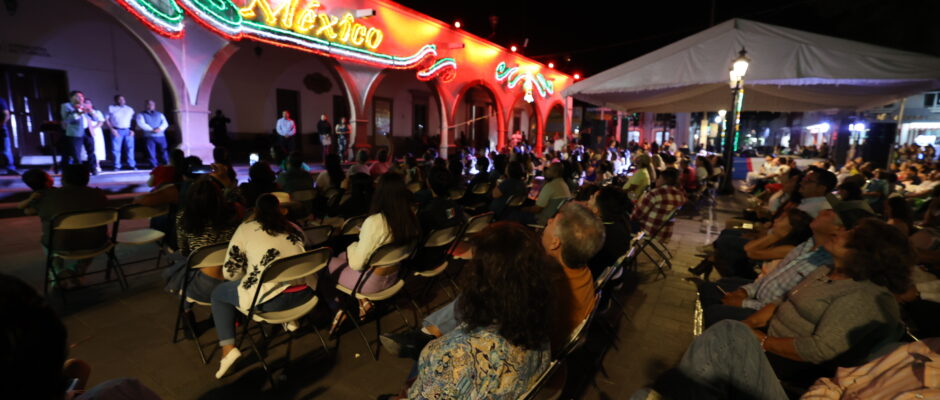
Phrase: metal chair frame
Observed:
(66, 221)
(136, 211)
(204, 257)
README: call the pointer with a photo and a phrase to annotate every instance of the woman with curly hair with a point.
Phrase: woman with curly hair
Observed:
(264, 238)
(837, 316)
(504, 319)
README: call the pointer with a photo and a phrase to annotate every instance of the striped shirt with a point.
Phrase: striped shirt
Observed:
(798, 263)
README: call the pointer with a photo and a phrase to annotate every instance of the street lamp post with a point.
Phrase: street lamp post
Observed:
(736, 82)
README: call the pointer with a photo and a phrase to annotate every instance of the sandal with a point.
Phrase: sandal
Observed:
(365, 308)
(337, 323)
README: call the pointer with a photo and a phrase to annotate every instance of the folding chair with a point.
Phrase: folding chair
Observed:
(316, 236)
(385, 256)
(212, 255)
(352, 225)
(82, 220)
(550, 210)
(285, 270)
(456, 194)
(436, 242)
(143, 236)
(474, 225)
(579, 335)
(305, 198)
(535, 391)
(650, 242)
(481, 188)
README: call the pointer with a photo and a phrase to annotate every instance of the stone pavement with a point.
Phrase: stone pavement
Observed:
(127, 334)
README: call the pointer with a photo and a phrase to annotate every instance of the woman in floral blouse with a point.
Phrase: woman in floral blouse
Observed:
(501, 346)
(259, 241)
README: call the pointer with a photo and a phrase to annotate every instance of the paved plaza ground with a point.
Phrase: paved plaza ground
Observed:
(128, 334)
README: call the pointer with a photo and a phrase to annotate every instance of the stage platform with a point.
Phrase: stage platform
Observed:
(121, 186)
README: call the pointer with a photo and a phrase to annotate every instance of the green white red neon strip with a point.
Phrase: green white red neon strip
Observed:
(512, 76)
(224, 18)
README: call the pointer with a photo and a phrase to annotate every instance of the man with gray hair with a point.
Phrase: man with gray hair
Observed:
(572, 237)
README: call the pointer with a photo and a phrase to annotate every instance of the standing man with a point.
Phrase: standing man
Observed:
(219, 129)
(6, 155)
(122, 137)
(286, 129)
(76, 121)
(152, 124)
(325, 130)
(342, 137)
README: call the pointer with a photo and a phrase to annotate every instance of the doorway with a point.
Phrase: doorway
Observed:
(33, 95)
(289, 100)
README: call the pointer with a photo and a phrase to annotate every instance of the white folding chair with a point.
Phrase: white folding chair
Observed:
(212, 255)
(284, 270)
(436, 265)
(385, 256)
(352, 225)
(102, 218)
(316, 236)
(474, 225)
(143, 236)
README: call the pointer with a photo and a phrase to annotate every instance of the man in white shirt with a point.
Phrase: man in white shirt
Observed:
(120, 116)
(814, 187)
(559, 145)
(153, 124)
(286, 129)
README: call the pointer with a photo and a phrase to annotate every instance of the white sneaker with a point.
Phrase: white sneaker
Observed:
(227, 362)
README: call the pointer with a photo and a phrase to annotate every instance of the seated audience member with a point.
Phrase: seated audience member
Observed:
(39, 182)
(391, 220)
(440, 212)
(688, 180)
(33, 351)
(899, 215)
(703, 169)
(332, 176)
(261, 180)
(837, 317)
(221, 155)
(850, 191)
(74, 195)
(790, 230)
(264, 238)
(613, 207)
(555, 189)
(573, 236)
(512, 186)
(786, 198)
(206, 218)
(381, 164)
(166, 174)
(295, 178)
(814, 187)
(361, 166)
(500, 162)
(744, 298)
(877, 190)
(509, 263)
(356, 199)
(654, 207)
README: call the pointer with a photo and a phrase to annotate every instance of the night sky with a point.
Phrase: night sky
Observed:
(599, 35)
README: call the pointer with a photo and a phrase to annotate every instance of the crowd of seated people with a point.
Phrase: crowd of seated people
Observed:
(808, 233)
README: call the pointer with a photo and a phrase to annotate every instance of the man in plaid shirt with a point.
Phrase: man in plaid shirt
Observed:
(656, 205)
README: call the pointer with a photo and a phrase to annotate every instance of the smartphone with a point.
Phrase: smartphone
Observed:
(253, 158)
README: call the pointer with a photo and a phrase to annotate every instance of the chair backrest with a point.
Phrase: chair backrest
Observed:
(481, 188)
(211, 255)
(578, 336)
(542, 380)
(515, 201)
(390, 254)
(352, 225)
(456, 194)
(137, 211)
(442, 237)
(303, 195)
(297, 266)
(670, 219)
(84, 219)
(414, 187)
(317, 235)
(478, 223)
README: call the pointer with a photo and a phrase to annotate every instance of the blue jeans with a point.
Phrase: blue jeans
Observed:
(444, 318)
(74, 151)
(225, 302)
(123, 142)
(6, 155)
(725, 362)
(156, 148)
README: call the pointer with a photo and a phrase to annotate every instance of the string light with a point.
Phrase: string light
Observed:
(168, 23)
(513, 48)
(577, 76)
(457, 24)
(551, 65)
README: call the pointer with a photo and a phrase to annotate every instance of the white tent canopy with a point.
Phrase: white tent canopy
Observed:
(790, 70)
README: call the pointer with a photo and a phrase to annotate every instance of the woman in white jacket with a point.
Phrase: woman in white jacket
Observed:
(265, 237)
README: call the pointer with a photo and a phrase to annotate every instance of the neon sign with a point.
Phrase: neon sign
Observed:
(513, 76)
(297, 24)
